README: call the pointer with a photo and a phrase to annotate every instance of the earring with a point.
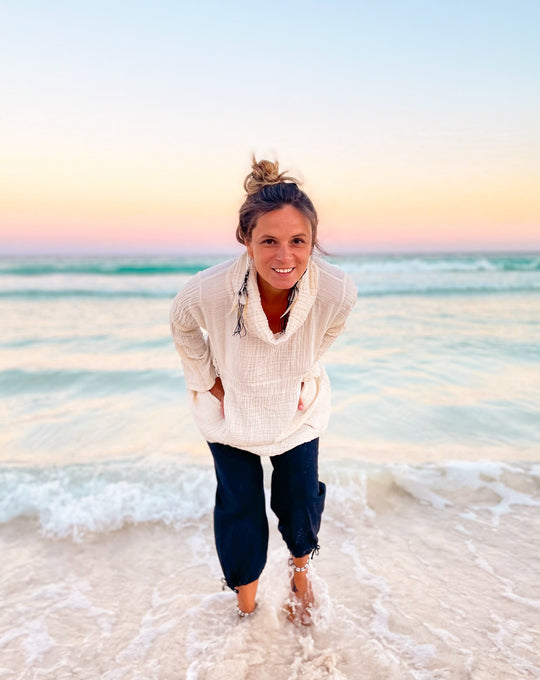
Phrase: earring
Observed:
(240, 328)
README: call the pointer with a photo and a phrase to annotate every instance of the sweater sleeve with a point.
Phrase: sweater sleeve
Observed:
(186, 319)
(348, 299)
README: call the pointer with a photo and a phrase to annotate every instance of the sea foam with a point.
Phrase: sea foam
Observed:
(71, 501)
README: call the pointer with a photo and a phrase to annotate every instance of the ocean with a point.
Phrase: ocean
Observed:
(429, 565)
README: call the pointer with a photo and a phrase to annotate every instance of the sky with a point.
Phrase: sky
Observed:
(128, 127)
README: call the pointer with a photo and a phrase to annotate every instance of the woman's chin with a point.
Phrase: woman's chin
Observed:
(278, 281)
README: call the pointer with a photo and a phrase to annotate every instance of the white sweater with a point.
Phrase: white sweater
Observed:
(262, 373)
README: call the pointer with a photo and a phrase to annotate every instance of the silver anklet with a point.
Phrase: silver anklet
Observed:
(295, 568)
(242, 614)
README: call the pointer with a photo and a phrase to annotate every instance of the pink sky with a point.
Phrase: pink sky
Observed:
(412, 130)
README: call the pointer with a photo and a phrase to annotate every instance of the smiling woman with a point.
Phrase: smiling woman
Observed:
(257, 388)
(280, 248)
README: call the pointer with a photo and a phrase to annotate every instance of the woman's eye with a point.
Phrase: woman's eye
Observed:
(298, 241)
(268, 241)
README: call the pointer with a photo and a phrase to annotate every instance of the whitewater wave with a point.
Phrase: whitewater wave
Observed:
(108, 266)
(156, 266)
(74, 500)
(369, 283)
(439, 263)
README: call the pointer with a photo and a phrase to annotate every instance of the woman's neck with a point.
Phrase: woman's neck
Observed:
(270, 295)
(274, 303)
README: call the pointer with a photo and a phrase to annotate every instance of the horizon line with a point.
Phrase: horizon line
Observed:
(232, 253)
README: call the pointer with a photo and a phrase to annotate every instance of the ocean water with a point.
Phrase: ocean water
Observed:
(429, 565)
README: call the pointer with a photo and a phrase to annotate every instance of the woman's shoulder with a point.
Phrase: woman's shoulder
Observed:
(334, 284)
(213, 276)
(209, 288)
(328, 269)
(218, 270)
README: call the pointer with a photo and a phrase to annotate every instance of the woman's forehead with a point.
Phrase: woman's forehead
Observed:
(286, 220)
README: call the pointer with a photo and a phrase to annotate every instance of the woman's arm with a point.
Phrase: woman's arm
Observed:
(337, 323)
(186, 319)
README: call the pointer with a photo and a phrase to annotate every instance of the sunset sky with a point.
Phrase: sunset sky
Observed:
(128, 126)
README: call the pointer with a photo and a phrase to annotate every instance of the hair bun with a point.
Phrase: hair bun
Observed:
(264, 173)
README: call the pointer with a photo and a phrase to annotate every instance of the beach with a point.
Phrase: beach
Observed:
(428, 567)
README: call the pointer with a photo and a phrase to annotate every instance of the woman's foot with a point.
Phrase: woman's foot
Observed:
(300, 604)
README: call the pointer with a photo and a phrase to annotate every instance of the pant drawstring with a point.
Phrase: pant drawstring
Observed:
(225, 585)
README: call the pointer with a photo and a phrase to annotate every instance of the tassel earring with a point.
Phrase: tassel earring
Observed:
(240, 329)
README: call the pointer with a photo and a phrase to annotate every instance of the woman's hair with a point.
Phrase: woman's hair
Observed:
(268, 189)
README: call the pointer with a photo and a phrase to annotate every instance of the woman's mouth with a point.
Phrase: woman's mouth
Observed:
(283, 271)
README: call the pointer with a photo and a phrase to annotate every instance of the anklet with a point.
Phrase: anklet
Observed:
(242, 614)
(295, 568)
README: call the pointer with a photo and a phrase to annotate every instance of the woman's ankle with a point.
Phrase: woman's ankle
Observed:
(246, 597)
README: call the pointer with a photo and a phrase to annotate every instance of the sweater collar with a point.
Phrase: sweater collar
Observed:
(254, 317)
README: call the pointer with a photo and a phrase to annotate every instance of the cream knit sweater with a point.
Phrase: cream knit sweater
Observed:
(262, 373)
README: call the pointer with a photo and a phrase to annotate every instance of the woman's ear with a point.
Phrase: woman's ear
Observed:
(249, 249)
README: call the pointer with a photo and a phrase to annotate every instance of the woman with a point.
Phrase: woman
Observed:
(257, 388)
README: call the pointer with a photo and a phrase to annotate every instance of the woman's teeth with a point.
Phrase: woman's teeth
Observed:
(283, 271)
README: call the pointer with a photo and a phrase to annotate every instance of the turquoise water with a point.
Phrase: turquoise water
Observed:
(441, 358)
(430, 539)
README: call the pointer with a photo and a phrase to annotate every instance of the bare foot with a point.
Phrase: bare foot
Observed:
(300, 604)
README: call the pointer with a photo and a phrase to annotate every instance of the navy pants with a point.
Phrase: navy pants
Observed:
(240, 522)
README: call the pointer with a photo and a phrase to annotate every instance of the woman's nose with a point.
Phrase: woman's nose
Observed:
(283, 251)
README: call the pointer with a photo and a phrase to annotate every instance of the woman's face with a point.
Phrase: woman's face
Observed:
(280, 247)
